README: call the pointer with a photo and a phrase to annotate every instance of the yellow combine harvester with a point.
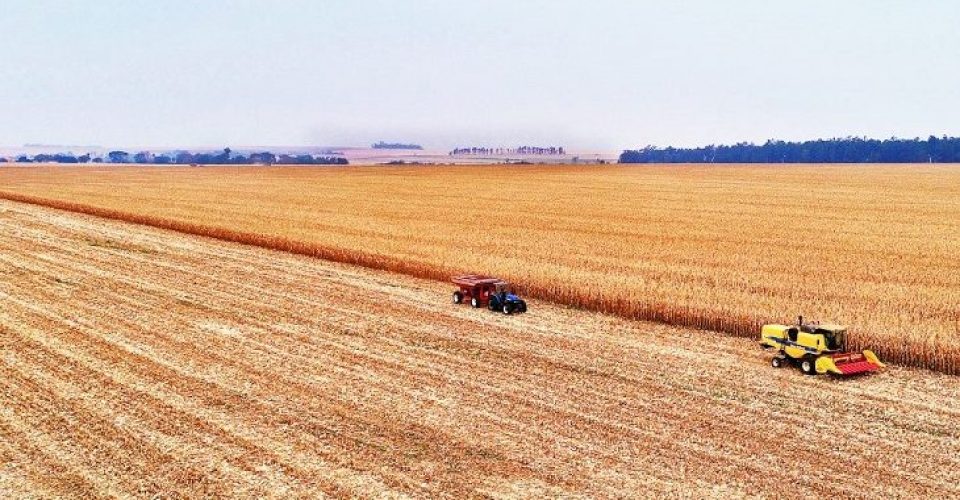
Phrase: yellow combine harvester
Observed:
(816, 348)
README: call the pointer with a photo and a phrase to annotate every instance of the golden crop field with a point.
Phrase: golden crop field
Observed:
(138, 362)
(717, 247)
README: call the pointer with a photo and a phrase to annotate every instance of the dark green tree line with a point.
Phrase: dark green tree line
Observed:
(845, 150)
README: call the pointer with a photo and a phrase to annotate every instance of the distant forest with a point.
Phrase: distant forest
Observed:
(395, 145)
(846, 150)
(226, 157)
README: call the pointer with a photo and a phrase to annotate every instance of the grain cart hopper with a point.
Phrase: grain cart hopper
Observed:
(816, 348)
(494, 293)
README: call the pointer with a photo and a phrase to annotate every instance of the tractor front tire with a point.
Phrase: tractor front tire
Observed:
(457, 298)
(808, 366)
(474, 302)
(507, 309)
(522, 307)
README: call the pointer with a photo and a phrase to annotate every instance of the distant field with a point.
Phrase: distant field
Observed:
(718, 247)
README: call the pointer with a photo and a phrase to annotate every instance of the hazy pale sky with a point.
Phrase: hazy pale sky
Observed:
(600, 74)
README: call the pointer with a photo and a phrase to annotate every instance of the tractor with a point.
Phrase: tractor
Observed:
(494, 293)
(816, 348)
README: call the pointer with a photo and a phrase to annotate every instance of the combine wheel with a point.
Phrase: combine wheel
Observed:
(474, 302)
(776, 362)
(808, 366)
(457, 297)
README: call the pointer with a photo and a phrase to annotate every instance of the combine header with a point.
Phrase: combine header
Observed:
(816, 348)
(494, 293)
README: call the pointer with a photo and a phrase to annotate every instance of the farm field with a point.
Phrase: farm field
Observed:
(719, 247)
(136, 361)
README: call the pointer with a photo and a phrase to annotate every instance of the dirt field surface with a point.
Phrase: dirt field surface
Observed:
(719, 247)
(136, 362)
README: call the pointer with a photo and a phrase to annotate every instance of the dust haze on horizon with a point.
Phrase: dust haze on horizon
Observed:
(602, 75)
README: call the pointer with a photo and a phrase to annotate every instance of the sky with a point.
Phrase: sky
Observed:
(588, 75)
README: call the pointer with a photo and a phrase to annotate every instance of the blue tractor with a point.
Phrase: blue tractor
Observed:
(504, 300)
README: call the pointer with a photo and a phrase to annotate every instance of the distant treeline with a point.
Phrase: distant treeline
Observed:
(227, 157)
(846, 150)
(522, 150)
(395, 145)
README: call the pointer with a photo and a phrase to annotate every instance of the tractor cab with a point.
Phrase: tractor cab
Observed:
(504, 291)
(834, 337)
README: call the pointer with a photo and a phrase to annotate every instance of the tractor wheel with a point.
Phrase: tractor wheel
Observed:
(457, 297)
(522, 307)
(474, 302)
(776, 362)
(507, 309)
(808, 367)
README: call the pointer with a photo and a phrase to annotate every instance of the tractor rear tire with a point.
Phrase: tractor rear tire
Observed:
(457, 298)
(474, 302)
(808, 367)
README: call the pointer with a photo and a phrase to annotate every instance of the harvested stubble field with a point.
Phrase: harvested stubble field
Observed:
(136, 361)
(724, 248)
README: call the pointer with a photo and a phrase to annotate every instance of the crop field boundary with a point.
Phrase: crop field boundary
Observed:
(690, 317)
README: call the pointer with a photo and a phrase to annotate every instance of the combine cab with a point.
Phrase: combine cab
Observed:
(487, 291)
(816, 348)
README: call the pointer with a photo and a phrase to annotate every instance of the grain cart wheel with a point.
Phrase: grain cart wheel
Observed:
(457, 297)
(474, 302)
(808, 366)
(507, 309)
(776, 362)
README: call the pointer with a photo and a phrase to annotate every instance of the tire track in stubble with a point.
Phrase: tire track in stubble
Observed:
(159, 401)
